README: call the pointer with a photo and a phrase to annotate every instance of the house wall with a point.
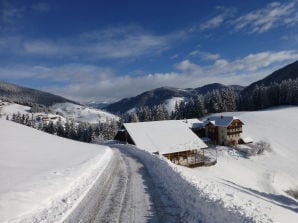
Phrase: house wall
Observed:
(199, 132)
(211, 132)
(234, 131)
(123, 136)
(222, 135)
(225, 135)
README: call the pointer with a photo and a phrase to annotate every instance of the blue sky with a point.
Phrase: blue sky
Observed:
(107, 50)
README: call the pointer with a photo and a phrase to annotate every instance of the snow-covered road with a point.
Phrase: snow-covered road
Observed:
(126, 193)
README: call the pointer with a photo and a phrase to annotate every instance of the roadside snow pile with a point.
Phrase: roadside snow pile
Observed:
(44, 177)
(82, 113)
(259, 185)
(196, 204)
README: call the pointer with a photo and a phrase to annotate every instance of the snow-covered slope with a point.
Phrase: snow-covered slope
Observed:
(68, 110)
(170, 103)
(7, 109)
(44, 176)
(13, 108)
(84, 114)
(257, 185)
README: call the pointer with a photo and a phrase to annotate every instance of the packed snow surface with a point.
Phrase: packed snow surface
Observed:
(82, 113)
(44, 176)
(256, 186)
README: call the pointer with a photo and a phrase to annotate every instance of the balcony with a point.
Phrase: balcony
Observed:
(234, 132)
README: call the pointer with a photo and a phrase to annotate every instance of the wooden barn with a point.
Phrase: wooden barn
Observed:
(170, 138)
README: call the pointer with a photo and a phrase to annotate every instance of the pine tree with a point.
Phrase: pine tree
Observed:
(133, 117)
(228, 98)
(60, 129)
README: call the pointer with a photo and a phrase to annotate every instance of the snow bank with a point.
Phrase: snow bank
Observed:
(44, 177)
(196, 206)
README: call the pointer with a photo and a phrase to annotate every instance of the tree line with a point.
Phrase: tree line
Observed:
(194, 107)
(222, 100)
(275, 94)
(80, 131)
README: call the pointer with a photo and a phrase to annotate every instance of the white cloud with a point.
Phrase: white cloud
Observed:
(186, 66)
(12, 14)
(219, 19)
(246, 65)
(41, 7)
(111, 43)
(205, 55)
(87, 82)
(273, 15)
(41, 47)
(174, 56)
(9, 12)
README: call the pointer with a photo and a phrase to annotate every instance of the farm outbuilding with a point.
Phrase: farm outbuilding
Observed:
(170, 138)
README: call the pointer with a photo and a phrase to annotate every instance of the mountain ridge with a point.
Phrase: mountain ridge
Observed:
(289, 71)
(27, 96)
(160, 95)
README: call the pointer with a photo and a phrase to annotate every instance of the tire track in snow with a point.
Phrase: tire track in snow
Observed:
(113, 196)
(132, 196)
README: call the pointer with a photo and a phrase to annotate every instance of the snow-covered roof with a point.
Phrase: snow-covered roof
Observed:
(222, 121)
(164, 136)
(193, 123)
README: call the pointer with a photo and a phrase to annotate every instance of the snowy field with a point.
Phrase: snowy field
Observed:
(82, 113)
(257, 185)
(44, 176)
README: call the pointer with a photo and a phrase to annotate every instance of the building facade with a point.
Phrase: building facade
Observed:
(224, 130)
